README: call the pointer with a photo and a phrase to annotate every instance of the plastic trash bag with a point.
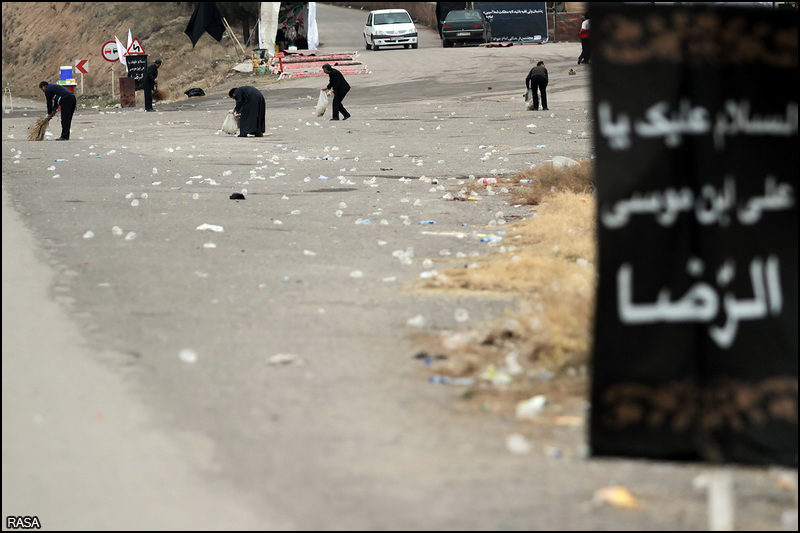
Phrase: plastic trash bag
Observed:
(529, 100)
(231, 125)
(322, 103)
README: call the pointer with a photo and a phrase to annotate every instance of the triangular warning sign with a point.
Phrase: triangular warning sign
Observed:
(135, 48)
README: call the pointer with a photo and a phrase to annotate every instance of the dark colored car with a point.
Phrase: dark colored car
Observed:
(465, 25)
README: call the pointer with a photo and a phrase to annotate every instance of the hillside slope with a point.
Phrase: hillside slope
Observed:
(39, 37)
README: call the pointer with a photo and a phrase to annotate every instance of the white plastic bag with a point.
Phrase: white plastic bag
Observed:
(231, 125)
(322, 103)
(529, 99)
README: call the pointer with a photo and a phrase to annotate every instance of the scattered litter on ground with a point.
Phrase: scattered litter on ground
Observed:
(283, 359)
(518, 444)
(530, 408)
(210, 227)
(616, 496)
(564, 162)
(447, 380)
(496, 376)
(187, 355)
(568, 421)
(417, 321)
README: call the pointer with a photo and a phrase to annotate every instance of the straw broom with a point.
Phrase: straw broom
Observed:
(36, 132)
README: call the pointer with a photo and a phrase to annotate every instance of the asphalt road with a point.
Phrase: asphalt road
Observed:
(139, 390)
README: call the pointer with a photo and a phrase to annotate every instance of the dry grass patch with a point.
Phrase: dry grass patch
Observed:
(576, 178)
(549, 262)
(535, 186)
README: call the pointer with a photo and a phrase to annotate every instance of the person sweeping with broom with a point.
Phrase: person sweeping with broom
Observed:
(59, 96)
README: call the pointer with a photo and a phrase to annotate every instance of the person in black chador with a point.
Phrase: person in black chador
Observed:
(280, 39)
(340, 89)
(251, 108)
(59, 96)
(538, 78)
(149, 84)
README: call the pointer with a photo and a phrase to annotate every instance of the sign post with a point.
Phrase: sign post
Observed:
(110, 54)
(82, 66)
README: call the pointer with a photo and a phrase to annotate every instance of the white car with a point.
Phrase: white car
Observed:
(389, 27)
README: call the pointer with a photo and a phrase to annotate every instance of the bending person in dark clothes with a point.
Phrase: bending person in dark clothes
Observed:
(340, 89)
(538, 78)
(251, 108)
(60, 96)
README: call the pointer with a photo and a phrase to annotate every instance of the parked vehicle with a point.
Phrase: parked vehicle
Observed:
(390, 27)
(465, 25)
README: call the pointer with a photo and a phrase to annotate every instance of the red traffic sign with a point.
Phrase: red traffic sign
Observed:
(135, 48)
(82, 66)
(110, 52)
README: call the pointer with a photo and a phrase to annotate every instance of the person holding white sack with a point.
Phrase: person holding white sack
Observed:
(339, 86)
(251, 109)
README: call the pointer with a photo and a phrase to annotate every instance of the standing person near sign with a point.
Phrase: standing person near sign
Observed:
(60, 96)
(252, 110)
(586, 50)
(149, 84)
(538, 79)
(340, 89)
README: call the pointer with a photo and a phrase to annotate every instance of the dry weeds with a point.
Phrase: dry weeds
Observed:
(533, 186)
(549, 263)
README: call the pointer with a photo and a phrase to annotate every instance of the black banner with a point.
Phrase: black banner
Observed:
(516, 22)
(137, 67)
(695, 345)
(206, 18)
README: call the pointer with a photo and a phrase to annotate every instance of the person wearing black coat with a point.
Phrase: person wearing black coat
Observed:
(340, 89)
(149, 83)
(538, 78)
(60, 96)
(251, 108)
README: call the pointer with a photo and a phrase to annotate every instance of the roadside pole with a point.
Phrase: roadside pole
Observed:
(110, 54)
